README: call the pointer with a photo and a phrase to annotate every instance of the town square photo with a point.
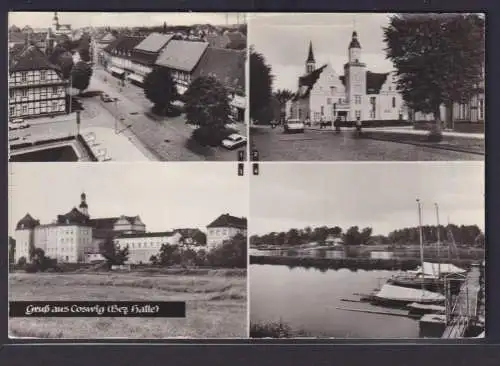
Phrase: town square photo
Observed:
(129, 232)
(367, 250)
(367, 86)
(89, 86)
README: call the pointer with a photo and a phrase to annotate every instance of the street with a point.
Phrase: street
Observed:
(168, 139)
(313, 145)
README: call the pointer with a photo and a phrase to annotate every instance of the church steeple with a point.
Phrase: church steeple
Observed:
(354, 40)
(55, 21)
(354, 49)
(84, 208)
(310, 62)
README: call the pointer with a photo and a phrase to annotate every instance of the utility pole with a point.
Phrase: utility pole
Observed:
(438, 240)
(419, 206)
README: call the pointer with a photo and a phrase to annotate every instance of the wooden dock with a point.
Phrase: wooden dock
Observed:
(465, 306)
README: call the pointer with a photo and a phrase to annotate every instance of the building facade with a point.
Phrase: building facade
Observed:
(36, 87)
(142, 246)
(117, 56)
(324, 95)
(224, 228)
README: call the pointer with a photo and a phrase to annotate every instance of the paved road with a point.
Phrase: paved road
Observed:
(170, 139)
(274, 145)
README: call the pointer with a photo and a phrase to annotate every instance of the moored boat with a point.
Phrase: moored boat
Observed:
(391, 295)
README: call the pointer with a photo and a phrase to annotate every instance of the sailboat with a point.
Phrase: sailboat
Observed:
(410, 288)
(429, 276)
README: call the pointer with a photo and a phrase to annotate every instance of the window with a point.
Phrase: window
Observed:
(43, 75)
(24, 92)
(23, 77)
(54, 90)
(357, 99)
(393, 102)
(322, 110)
(481, 109)
(11, 93)
(358, 114)
(25, 109)
(332, 90)
(372, 101)
(372, 114)
(54, 106)
(328, 100)
(12, 110)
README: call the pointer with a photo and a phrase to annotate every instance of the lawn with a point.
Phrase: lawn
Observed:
(216, 304)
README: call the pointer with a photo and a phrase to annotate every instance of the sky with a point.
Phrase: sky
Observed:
(284, 39)
(165, 196)
(378, 195)
(98, 19)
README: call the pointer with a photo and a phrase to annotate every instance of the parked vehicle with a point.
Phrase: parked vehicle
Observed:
(17, 121)
(294, 125)
(106, 98)
(234, 141)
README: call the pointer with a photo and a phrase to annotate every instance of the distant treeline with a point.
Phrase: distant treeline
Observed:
(464, 235)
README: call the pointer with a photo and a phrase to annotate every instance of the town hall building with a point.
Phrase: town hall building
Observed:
(325, 95)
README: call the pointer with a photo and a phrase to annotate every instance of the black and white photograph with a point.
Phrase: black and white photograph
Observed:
(367, 86)
(129, 232)
(96, 86)
(364, 250)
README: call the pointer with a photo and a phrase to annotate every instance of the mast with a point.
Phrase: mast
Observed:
(419, 206)
(438, 241)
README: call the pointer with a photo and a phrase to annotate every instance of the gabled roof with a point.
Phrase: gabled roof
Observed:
(31, 58)
(226, 220)
(374, 82)
(181, 55)
(27, 222)
(73, 217)
(17, 37)
(107, 38)
(189, 233)
(226, 65)
(124, 43)
(154, 42)
(308, 81)
(108, 223)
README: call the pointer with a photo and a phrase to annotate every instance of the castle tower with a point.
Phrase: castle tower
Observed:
(355, 73)
(84, 208)
(310, 62)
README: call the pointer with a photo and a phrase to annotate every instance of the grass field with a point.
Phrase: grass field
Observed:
(216, 304)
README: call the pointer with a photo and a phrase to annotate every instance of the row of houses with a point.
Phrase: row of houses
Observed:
(75, 237)
(133, 57)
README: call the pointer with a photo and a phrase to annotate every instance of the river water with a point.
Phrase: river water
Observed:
(306, 299)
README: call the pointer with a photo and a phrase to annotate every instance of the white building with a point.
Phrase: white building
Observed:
(324, 95)
(224, 228)
(65, 240)
(142, 246)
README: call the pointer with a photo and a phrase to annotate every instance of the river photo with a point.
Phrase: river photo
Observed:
(306, 300)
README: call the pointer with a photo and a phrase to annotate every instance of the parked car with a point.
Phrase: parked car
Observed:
(23, 125)
(294, 125)
(17, 121)
(106, 98)
(234, 141)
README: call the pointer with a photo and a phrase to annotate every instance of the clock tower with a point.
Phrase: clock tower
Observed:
(355, 76)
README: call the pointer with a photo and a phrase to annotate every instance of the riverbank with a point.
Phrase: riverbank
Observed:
(277, 329)
(216, 304)
(402, 264)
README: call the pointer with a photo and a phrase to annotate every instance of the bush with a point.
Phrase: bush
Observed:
(209, 136)
(22, 262)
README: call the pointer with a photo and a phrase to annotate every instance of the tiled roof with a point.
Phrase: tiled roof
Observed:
(73, 217)
(308, 80)
(154, 42)
(188, 233)
(147, 235)
(16, 50)
(17, 37)
(31, 58)
(181, 55)
(108, 223)
(227, 220)
(124, 43)
(27, 222)
(226, 65)
(107, 38)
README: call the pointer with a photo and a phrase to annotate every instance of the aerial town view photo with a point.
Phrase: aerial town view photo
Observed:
(368, 86)
(173, 232)
(367, 250)
(126, 86)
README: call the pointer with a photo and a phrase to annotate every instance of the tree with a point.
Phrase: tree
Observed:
(439, 59)
(164, 27)
(160, 89)
(207, 103)
(169, 255)
(292, 237)
(22, 262)
(154, 260)
(84, 54)
(12, 250)
(80, 76)
(231, 254)
(365, 235)
(113, 254)
(65, 63)
(352, 236)
(260, 88)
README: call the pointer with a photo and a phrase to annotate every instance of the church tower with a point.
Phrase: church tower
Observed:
(55, 22)
(355, 74)
(84, 208)
(310, 62)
